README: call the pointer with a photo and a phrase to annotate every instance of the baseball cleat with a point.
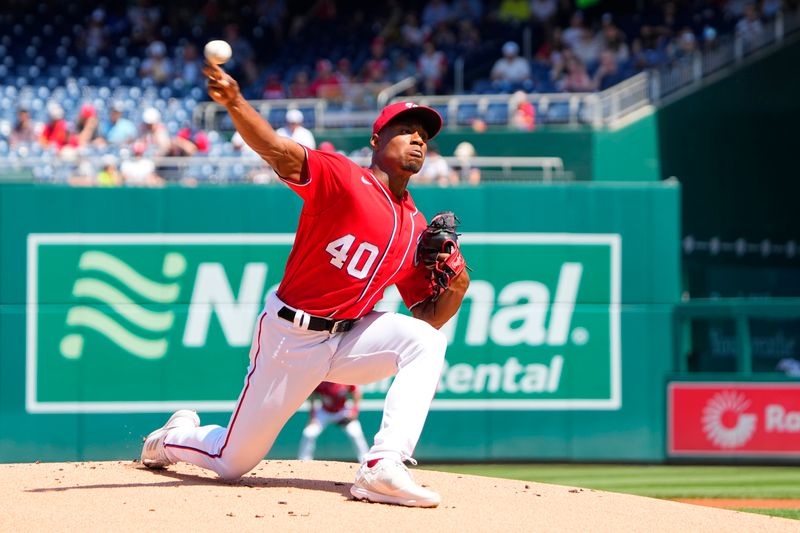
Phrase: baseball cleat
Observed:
(389, 481)
(153, 453)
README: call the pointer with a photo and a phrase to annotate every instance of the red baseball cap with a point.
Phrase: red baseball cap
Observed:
(431, 120)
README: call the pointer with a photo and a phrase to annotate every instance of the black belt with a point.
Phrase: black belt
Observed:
(316, 323)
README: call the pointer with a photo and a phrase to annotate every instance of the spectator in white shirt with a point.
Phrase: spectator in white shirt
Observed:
(294, 129)
(511, 72)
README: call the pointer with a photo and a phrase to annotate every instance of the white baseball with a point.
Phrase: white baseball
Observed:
(217, 52)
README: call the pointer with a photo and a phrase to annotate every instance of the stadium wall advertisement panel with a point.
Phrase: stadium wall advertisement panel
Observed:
(545, 335)
(118, 305)
(723, 419)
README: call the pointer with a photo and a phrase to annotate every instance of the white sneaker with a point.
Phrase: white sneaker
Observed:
(389, 481)
(153, 453)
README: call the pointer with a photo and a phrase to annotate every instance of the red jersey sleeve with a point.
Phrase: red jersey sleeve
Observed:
(416, 287)
(327, 175)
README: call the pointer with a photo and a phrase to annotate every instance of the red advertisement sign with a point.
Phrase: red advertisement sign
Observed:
(733, 419)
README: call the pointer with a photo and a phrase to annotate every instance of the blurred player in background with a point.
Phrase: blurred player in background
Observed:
(330, 405)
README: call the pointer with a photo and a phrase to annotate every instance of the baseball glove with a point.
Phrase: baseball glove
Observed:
(440, 237)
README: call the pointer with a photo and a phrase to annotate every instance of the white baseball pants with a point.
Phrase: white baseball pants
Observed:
(286, 365)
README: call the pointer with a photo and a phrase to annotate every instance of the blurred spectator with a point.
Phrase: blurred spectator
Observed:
(614, 40)
(770, 8)
(294, 129)
(346, 77)
(84, 174)
(402, 68)
(523, 116)
(736, 8)
(56, 132)
(549, 53)
(544, 11)
(119, 130)
(789, 366)
(574, 32)
(435, 170)
(469, 38)
(109, 175)
(464, 168)
(432, 66)
(667, 21)
(325, 84)
(242, 63)
(478, 125)
(154, 136)
(273, 87)
(145, 19)
(190, 70)
(608, 73)
(588, 47)
(434, 13)
(327, 146)
(157, 66)
(686, 44)
(376, 68)
(412, 34)
(95, 35)
(87, 127)
(140, 171)
(511, 72)
(710, 41)
(272, 16)
(575, 79)
(300, 86)
(749, 28)
(25, 131)
(188, 142)
(467, 10)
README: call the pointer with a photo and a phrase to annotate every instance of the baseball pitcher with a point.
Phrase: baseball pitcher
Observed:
(358, 233)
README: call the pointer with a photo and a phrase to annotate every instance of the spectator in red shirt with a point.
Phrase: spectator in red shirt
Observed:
(300, 86)
(273, 88)
(56, 131)
(524, 114)
(326, 84)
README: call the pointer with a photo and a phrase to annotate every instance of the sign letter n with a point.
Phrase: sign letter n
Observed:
(212, 293)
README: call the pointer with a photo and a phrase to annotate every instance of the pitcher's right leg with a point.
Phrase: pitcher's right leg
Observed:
(286, 365)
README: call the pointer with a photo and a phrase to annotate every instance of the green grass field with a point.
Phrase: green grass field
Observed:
(657, 481)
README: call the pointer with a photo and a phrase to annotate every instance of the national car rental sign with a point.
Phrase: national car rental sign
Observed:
(733, 419)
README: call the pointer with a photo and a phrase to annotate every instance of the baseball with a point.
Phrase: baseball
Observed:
(217, 52)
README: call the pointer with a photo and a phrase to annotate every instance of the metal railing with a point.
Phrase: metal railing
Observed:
(730, 50)
(224, 169)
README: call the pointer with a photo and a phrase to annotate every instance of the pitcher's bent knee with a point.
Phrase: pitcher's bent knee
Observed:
(231, 472)
(431, 342)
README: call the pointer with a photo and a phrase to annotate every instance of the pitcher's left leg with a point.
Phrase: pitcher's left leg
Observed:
(383, 344)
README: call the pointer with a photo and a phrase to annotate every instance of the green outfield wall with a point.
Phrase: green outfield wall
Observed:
(118, 306)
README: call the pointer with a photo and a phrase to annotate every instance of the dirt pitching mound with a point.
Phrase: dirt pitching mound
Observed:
(315, 496)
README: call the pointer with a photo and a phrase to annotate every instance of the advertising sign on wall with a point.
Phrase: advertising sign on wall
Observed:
(154, 322)
(733, 419)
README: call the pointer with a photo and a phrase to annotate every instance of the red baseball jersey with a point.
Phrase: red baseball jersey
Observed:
(354, 239)
(333, 395)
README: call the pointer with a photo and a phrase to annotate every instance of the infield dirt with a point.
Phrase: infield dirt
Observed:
(314, 496)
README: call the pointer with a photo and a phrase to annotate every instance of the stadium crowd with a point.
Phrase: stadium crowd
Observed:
(343, 52)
